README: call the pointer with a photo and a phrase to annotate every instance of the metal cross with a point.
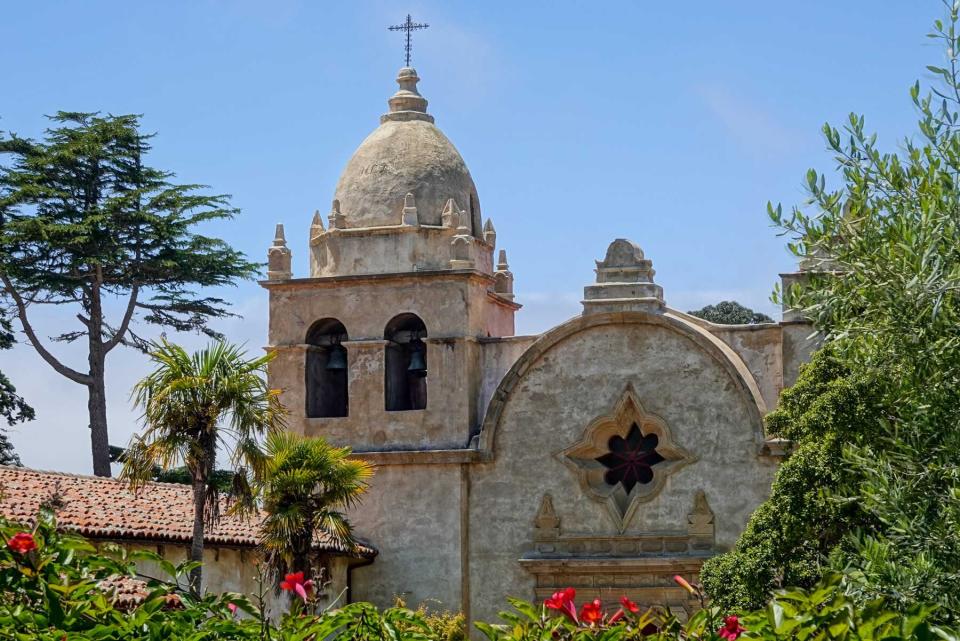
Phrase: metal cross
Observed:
(408, 26)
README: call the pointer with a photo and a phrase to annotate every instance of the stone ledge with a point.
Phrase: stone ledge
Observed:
(419, 457)
(333, 281)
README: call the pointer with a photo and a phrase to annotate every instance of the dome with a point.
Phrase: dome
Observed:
(407, 153)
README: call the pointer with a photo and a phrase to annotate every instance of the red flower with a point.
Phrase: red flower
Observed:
(563, 602)
(731, 629)
(682, 582)
(294, 583)
(22, 543)
(591, 612)
(625, 605)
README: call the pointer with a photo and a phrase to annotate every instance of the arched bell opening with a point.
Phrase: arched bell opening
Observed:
(405, 364)
(326, 370)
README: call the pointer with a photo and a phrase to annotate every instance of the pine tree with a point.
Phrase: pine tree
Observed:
(83, 221)
(12, 406)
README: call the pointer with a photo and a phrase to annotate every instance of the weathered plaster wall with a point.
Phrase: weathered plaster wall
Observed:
(761, 348)
(415, 511)
(497, 357)
(582, 378)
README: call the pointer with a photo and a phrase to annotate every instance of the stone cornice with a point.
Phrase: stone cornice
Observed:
(419, 457)
(333, 281)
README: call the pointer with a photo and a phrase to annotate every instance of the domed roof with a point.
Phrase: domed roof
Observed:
(407, 153)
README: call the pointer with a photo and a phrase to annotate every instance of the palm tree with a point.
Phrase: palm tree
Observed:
(307, 485)
(194, 404)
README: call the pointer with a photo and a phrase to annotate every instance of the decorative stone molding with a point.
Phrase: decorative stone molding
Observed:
(604, 452)
(450, 216)
(410, 212)
(337, 219)
(624, 282)
(278, 257)
(700, 525)
(489, 234)
(316, 226)
(503, 283)
(639, 566)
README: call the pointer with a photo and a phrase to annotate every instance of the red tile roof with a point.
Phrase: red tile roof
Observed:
(103, 508)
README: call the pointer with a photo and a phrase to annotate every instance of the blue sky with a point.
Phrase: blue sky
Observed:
(668, 123)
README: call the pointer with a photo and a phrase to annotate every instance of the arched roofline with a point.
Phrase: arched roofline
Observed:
(720, 351)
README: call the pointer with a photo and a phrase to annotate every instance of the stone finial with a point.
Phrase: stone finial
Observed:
(337, 219)
(700, 522)
(316, 226)
(278, 257)
(624, 282)
(407, 103)
(450, 217)
(503, 277)
(546, 524)
(461, 252)
(489, 233)
(410, 211)
(502, 264)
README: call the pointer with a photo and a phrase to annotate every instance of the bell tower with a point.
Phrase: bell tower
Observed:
(380, 347)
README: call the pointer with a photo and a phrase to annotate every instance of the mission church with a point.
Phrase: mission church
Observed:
(609, 453)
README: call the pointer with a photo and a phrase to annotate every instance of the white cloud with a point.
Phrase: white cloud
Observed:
(751, 125)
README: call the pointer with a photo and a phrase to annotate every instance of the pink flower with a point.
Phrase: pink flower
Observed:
(22, 543)
(232, 607)
(592, 612)
(731, 629)
(294, 583)
(563, 602)
(682, 582)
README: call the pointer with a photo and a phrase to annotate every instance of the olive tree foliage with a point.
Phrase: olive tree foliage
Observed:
(85, 223)
(884, 292)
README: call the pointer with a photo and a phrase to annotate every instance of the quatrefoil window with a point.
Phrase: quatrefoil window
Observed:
(624, 458)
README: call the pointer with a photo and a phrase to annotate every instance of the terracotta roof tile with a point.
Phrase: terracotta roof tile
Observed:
(104, 508)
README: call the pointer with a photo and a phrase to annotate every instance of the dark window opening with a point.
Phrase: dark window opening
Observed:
(631, 459)
(405, 364)
(326, 370)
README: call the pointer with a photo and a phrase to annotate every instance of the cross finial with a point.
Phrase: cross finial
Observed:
(408, 26)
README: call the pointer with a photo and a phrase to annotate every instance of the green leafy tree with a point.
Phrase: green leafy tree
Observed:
(883, 254)
(194, 404)
(13, 408)
(306, 485)
(84, 222)
(791, 537)
(730, 312)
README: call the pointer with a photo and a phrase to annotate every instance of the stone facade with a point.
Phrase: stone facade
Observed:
(609, 453)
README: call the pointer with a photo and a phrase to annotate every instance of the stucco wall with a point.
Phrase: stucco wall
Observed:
(413, 512)
(235, 570)
(761, 348)
(574, 382)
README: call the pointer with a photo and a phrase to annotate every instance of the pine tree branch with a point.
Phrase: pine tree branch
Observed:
(72, 374)
(125, 323)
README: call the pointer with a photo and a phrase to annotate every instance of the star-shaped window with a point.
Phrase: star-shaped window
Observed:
(631, 459)
(624, 458)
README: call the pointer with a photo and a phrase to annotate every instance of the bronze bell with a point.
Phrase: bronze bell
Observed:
(337, 359)
(418, 362)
